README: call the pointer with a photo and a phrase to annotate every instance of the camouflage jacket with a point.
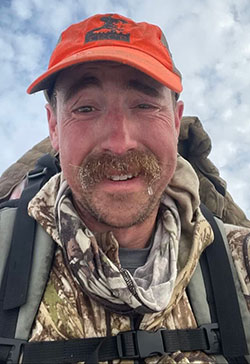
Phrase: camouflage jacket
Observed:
(66, 312)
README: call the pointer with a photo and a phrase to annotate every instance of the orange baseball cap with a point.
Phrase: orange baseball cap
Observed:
(112, 37)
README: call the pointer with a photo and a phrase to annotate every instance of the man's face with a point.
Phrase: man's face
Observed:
(116, 130)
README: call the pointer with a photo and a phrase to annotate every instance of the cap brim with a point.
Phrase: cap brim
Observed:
(133, 57)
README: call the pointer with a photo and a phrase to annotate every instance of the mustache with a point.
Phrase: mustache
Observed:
(101, 166)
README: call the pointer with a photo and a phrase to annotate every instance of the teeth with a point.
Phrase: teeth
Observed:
(121, 178)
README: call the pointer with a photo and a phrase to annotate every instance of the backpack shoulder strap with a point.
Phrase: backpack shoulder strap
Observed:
(222, 294)
(23, 261)
(20, 259)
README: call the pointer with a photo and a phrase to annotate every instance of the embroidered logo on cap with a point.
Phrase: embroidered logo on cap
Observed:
(112, 29)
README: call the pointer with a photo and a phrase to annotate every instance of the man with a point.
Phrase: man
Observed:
(124, 212)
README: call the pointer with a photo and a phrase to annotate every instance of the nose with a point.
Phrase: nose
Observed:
(118, 133)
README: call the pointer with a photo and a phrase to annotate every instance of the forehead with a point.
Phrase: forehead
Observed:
(103, 70)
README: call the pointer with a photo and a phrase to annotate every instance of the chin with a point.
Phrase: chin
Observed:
(118, 221)
(123, 214)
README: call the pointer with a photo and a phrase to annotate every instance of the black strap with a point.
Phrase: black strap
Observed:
(8, 320)
(224, 300)
(127, 345)
(23, 236)
(14, 287)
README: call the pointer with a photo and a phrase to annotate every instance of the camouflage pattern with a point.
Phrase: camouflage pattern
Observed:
(239, 243)
(66, 311)
(101, 276)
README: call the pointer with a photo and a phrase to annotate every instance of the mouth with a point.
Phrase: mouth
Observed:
(122, 183)
(122, 177)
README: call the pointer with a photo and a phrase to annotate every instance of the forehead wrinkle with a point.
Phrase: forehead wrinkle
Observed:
(81, 84)
(144, 88)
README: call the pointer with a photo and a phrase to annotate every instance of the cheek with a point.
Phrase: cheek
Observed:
(168, 156)
(162, 141)
(74, 143)
(162, 138)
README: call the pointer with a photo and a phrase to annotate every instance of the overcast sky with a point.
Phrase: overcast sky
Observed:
(210, 42)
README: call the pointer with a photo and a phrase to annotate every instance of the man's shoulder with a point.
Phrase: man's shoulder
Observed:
(239, 244)
(237, 235)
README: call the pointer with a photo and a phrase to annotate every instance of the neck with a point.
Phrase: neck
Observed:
(133, 237)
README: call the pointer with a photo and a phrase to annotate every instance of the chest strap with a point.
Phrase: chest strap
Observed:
(136, 344)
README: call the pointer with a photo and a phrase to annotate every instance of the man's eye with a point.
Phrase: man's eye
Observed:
(145, 106)
(86, 109)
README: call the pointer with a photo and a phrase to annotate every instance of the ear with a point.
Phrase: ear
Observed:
(53, 127)
(178, 116)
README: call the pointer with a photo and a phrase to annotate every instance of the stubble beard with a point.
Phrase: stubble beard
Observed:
(119, 210)
(123, 209)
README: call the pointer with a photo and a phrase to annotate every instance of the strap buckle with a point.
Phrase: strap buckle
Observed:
(212, 336)
(15, 348)
(37, 172)
(139, 344)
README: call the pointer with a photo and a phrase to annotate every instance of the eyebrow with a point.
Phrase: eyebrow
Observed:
(86, 81)
(144, 88)
(81, 84)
